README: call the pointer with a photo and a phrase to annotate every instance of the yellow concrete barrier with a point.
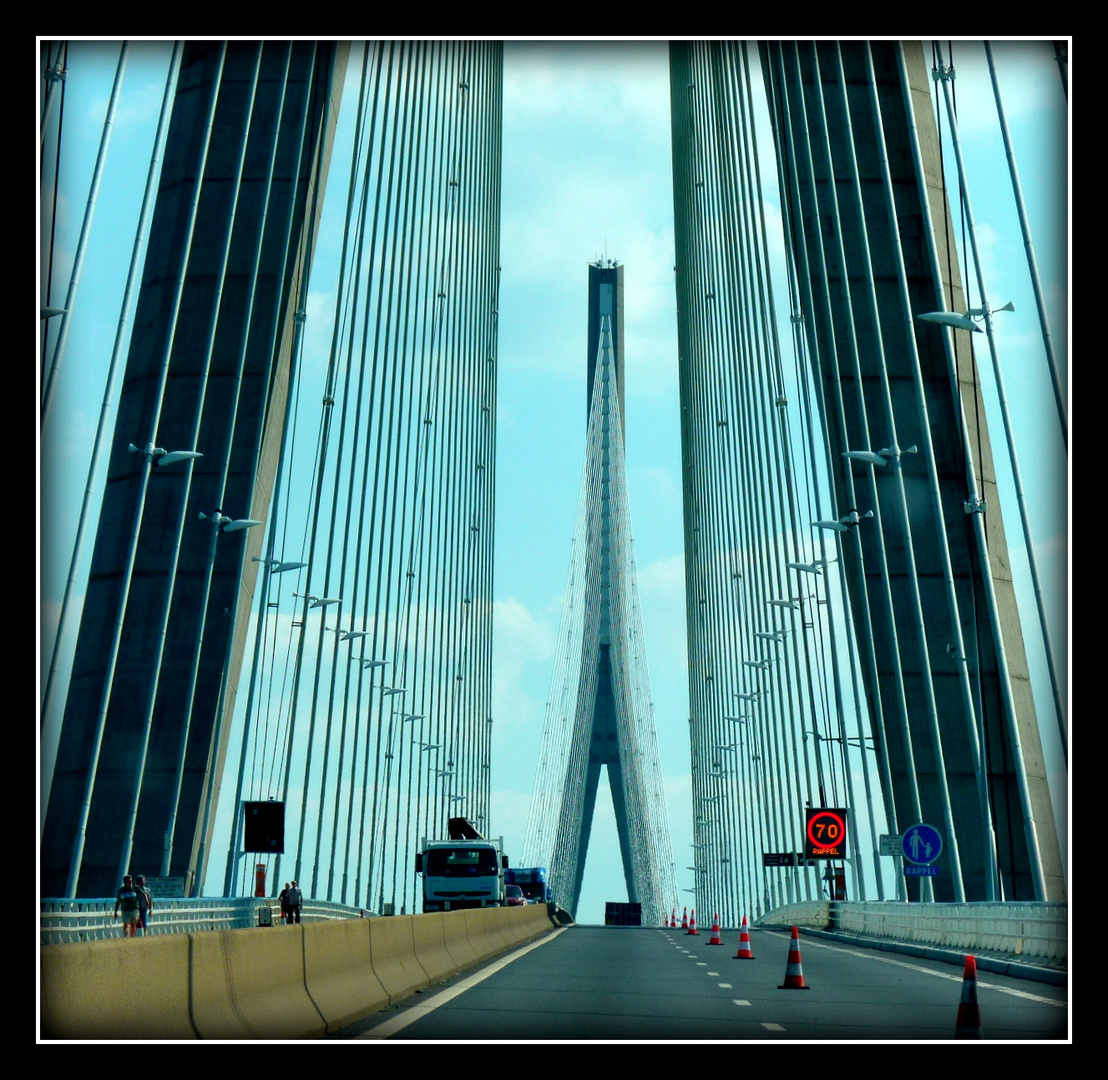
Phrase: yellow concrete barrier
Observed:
(392, 945)
(535, 922)
(500, 928)
(338, 965)
(136, 988)
(481, 933)
(457, 939)
(265, 969)
(430, 947)
(281, 982)
(215, 1012)
(519, 923)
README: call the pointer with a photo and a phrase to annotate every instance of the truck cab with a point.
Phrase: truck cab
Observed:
(462, 874)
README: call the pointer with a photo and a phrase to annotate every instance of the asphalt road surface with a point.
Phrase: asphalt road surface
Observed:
(586, 983)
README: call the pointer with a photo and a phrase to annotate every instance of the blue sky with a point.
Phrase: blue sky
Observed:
(586, 174)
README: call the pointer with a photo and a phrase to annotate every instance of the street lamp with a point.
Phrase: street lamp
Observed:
(885, 456)
(965, 320)
(163, 457)
(844, 524)
(817, 566)
(224, 524)
(276, 566)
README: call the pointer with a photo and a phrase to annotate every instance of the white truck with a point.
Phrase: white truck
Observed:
(466, 872)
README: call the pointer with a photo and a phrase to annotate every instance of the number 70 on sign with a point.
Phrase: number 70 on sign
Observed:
(825, 834)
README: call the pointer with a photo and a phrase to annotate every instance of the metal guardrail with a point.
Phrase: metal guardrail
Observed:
(62, 921)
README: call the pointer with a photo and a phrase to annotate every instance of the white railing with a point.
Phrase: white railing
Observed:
(64, 921)
(1031, 931)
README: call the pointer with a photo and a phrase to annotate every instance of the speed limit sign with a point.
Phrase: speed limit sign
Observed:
(825, 834)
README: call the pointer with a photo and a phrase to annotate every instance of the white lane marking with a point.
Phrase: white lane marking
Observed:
(715, 973)
(981, 983)
(773, 1027)
(417, 1012)
(725, 986)
(739, 1001)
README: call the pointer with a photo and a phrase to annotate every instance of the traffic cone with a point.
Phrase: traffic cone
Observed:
(744, 952)
(673, 919)
(715, 939)
(684, 918)
(968, 1025)
(692, 923)
(794, 975)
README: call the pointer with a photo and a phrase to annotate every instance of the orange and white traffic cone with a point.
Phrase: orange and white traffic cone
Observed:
(794, 974)
(692, 923)
(968, 1025)
(684, 918)
(673, 919)
(715, 939)
(744, 952)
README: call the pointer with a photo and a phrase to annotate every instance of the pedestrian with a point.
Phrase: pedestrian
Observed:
(146, 902)
(294, 898)
(283, 900)
(127, 905)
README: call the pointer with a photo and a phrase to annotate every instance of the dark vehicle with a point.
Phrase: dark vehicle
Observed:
(515, 896)
(532, 880)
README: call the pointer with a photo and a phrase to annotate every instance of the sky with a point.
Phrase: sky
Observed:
(586, 175)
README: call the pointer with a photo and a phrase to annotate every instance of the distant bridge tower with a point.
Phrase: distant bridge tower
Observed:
(599, 713)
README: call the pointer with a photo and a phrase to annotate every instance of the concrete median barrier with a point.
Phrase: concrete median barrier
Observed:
(338, 966)
(214, 1005)
(280, 982)
(481, 932)
(392, 945)
(430, 947)
(456, 937)
(265, 969)
(136, 988)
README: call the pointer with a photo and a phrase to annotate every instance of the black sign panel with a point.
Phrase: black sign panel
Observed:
(264, 827)
(786, 858)
(825, 834)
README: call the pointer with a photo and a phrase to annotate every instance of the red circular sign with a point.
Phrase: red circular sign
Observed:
(826, 829)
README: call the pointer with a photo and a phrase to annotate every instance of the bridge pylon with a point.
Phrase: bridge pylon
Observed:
(599, 714)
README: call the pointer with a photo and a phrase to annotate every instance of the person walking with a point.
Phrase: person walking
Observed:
(127, 905)
(146, 903)
(283, 900)
(294, 898)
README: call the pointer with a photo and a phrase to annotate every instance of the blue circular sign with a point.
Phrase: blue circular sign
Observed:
(921, 844)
